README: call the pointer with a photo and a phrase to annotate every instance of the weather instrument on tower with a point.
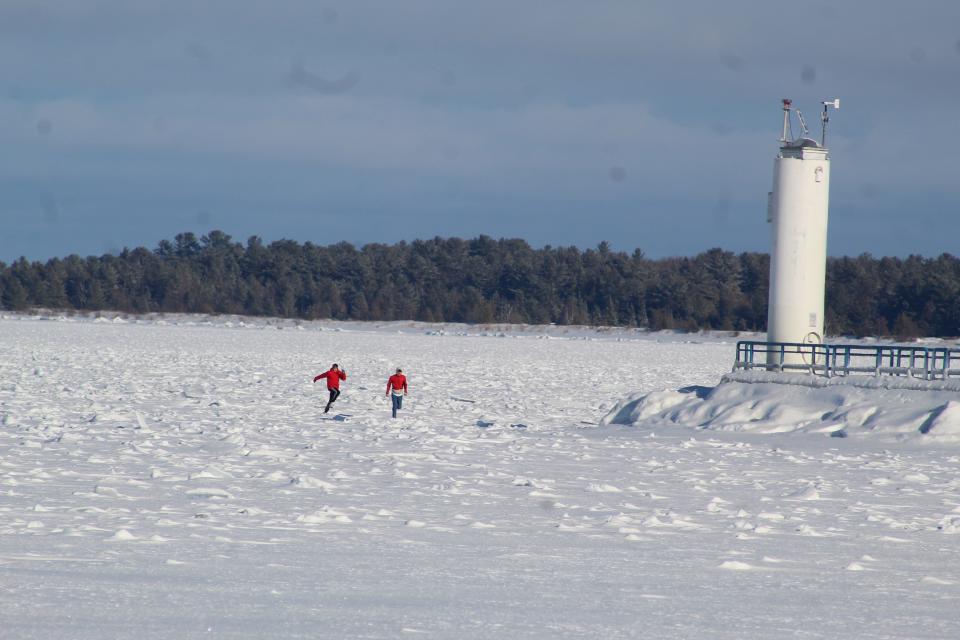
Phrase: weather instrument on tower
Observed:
(825, 118)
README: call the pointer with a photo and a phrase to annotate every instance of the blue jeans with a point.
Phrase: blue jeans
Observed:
(397, 403)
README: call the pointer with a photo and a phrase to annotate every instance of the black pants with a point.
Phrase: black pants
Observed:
(334, 394)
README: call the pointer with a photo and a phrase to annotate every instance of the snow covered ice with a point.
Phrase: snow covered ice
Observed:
(176, 478)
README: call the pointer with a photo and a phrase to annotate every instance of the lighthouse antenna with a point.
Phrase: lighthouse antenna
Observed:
(825, 118)
(787, 135)
(803, 123)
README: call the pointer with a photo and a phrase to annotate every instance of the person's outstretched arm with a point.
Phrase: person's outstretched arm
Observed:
(321, 376)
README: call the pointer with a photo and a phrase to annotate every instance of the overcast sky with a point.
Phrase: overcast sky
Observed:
(644, 123)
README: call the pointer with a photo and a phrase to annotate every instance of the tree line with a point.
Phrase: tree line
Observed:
(482, 280)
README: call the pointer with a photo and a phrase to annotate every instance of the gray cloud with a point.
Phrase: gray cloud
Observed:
(300, 77)
(610, 106)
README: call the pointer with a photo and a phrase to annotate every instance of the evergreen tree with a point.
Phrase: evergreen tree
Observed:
(482, 280)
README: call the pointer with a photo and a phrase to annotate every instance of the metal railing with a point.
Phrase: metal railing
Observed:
(926, 363)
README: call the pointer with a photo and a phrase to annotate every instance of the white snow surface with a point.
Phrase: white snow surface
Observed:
(176, 478)
(894, 409)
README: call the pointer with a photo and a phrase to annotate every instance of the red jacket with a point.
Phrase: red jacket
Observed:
(398, 381)
(334, 376)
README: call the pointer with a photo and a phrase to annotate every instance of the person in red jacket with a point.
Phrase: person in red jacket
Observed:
(398, 384)
(333, 376)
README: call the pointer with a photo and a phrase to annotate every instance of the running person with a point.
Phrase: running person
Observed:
(398, 384)
(333, 376)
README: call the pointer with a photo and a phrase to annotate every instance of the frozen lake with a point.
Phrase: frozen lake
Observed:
(179, 480)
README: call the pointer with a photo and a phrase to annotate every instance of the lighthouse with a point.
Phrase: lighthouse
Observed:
(797, 212)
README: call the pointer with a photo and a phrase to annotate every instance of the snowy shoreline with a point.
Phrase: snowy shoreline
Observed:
(493, 329)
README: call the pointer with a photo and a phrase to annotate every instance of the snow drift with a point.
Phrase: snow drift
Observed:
(763, 402)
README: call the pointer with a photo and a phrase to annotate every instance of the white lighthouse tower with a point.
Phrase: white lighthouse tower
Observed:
(797, 210)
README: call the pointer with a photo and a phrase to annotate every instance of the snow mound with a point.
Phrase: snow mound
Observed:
(807, 493)
(122, 536)
(309, 482)
(324, 516)
(762, 402)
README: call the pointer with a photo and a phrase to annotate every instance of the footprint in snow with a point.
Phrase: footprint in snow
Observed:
(210, 493)
(949, 524)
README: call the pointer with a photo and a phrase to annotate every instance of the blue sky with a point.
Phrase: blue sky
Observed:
(646, 124)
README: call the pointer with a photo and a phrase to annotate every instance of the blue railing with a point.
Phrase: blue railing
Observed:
(927, 363)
